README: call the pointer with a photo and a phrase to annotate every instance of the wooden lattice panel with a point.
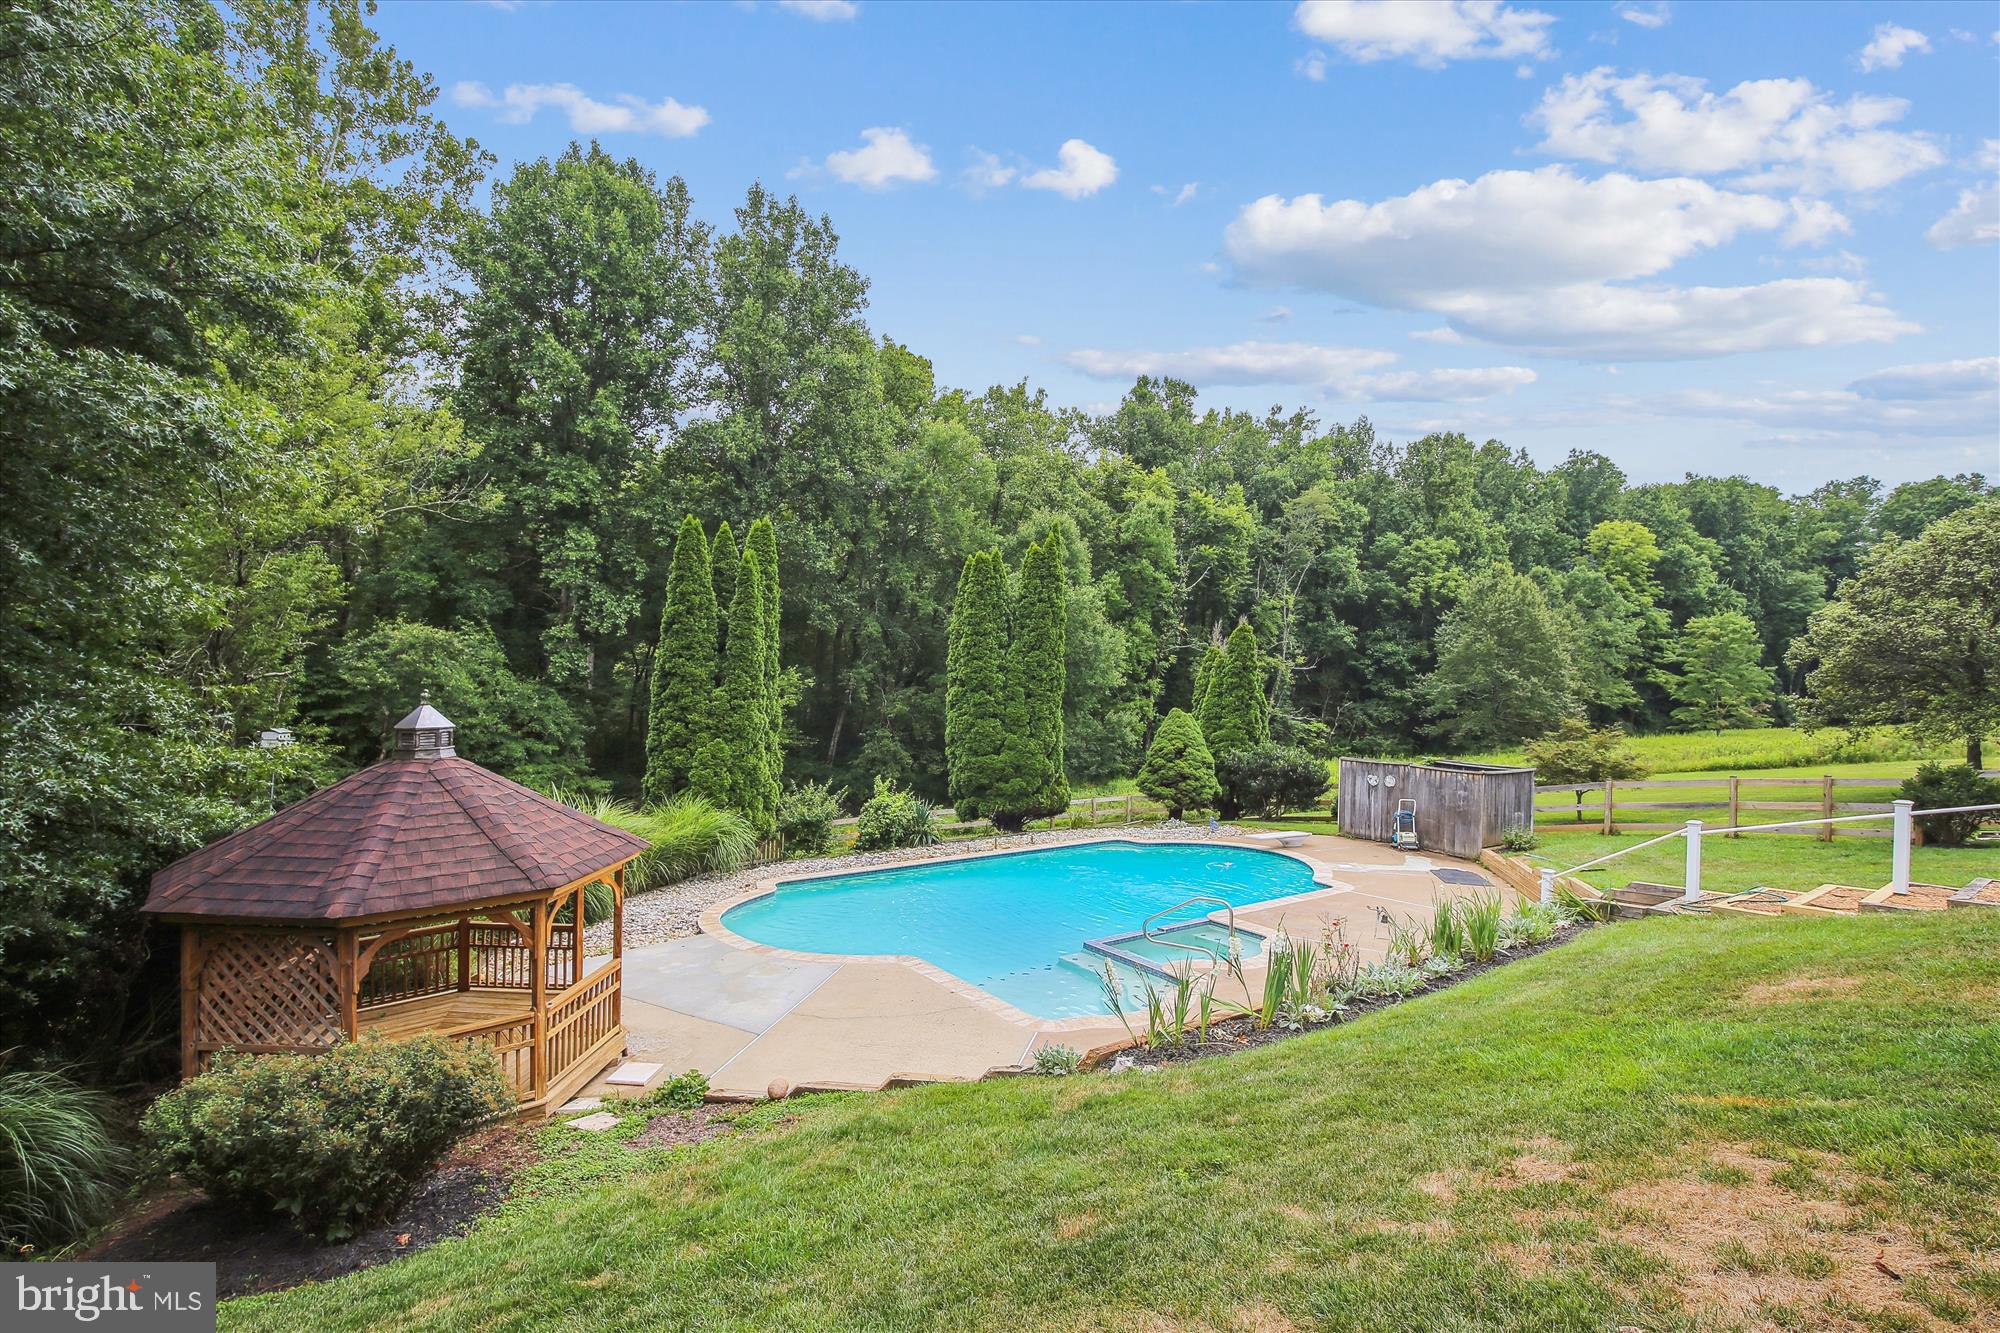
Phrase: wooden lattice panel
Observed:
(266, 989)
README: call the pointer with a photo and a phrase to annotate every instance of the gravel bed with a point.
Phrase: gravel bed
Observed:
(674, 910)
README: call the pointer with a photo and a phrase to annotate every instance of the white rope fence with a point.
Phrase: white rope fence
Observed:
(1904, 813)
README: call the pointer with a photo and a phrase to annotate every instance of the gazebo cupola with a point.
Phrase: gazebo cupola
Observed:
(425, 733)
(421, 894)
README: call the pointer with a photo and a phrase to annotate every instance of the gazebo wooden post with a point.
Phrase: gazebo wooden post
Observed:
(347, 950)
(539, 918)
(465, 953)
(190, 994)
(618, 943)
(576, 940)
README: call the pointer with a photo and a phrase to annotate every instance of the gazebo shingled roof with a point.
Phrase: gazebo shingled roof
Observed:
(404, 835)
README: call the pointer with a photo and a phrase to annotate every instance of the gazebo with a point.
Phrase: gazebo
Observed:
(422, 894)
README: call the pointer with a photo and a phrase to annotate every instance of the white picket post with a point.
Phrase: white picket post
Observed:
(1899, 860)
(1548, 887)
(1693, 834)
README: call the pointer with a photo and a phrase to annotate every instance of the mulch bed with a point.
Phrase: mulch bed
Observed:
(253, 1253)
(678, 1128)
(1240, 1034)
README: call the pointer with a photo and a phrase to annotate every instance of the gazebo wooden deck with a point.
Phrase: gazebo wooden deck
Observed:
(423, 894)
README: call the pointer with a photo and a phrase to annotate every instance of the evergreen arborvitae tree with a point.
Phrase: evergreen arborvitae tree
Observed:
(683, 667)
(761, 542)
(1204, 677)
(1035, 661)
(1235, 715)
(724, 556)
(733, 769)
(1179, 771)
(976, 682)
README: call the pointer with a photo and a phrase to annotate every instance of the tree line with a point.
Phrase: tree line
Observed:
(293, 425)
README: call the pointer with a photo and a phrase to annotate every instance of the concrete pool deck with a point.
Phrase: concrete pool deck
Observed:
(747, 1015)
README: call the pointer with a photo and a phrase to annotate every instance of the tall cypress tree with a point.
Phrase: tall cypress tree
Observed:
(724, 559)
(761, 542)
(976, 710)
(1235, 714)
(1035, 663)
(733, 769)
(683, 667)
(1204, 677)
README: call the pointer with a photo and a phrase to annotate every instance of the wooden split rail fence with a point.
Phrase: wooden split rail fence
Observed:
(1602, 802)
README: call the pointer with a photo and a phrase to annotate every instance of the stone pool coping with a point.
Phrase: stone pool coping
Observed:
(711, 921)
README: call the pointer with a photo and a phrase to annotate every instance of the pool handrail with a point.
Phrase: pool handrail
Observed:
(1215, 959)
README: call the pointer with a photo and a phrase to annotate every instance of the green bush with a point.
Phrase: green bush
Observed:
(1057, 1061)
(1519, 838)
(1946, 785)
(806, 813)
(1269, 779)
(682, 1092)
(331, 1140)
(1179, 771)
(894, 818)
(59, 1165)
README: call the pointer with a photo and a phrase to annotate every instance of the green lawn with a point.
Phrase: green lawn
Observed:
(1769, 860)
(1548, 1146)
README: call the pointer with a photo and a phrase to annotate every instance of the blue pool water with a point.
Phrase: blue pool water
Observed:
(1016, 925)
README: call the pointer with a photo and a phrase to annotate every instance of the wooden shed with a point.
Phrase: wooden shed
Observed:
(1460, 807)
(423, 894)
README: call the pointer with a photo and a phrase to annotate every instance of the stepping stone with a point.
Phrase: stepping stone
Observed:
(633, 1074)
(580, 1104)
(603, 1120)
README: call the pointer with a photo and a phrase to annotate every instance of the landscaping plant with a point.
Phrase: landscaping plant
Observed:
(894, 818)
(1179, 771)
(1056, 1061)
(1447, 933)
(1947, 786)
(1268, 779)
(61, 1169)
(689, 836)
(806, 813)
(682, 1092)
(1479, 919)
(331, 1140)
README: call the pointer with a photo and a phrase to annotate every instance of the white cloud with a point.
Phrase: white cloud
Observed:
(1446, 335)
(822, 11)
(1975, 220)
(1846, 261)
(1276, 315)
(1349, 372)
(1767, 132)
(1312, 65)
(886, 157)
(1084, 171)
(1886, 49)
(987, 172)
(629, 115)
(1905, 404)
(1186, 193)
(1430, 34)
(1027, 340)
(1528, 258)
(1936, 379)
(1645, 13)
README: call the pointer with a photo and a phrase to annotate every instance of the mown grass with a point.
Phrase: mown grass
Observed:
(1299, 1182)
(1770, 860)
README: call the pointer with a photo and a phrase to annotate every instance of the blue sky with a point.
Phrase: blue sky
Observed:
(1719, 238)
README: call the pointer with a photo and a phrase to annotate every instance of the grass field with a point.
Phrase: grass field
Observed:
(1670, 1124)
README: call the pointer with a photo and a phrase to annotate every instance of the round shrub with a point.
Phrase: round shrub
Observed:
(894, 818)
(331, 1140)
(1945, 786)
(1268, 779)
(1179, 771)
(806, 812)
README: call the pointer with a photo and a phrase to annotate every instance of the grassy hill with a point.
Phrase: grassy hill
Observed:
(1665, 1124)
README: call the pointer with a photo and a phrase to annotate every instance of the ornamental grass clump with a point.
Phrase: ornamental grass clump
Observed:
(1479, 920)
(894, 818)
(332, 1141)
(60, 1166)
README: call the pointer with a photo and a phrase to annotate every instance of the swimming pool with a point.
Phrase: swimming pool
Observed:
(1019, 925)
